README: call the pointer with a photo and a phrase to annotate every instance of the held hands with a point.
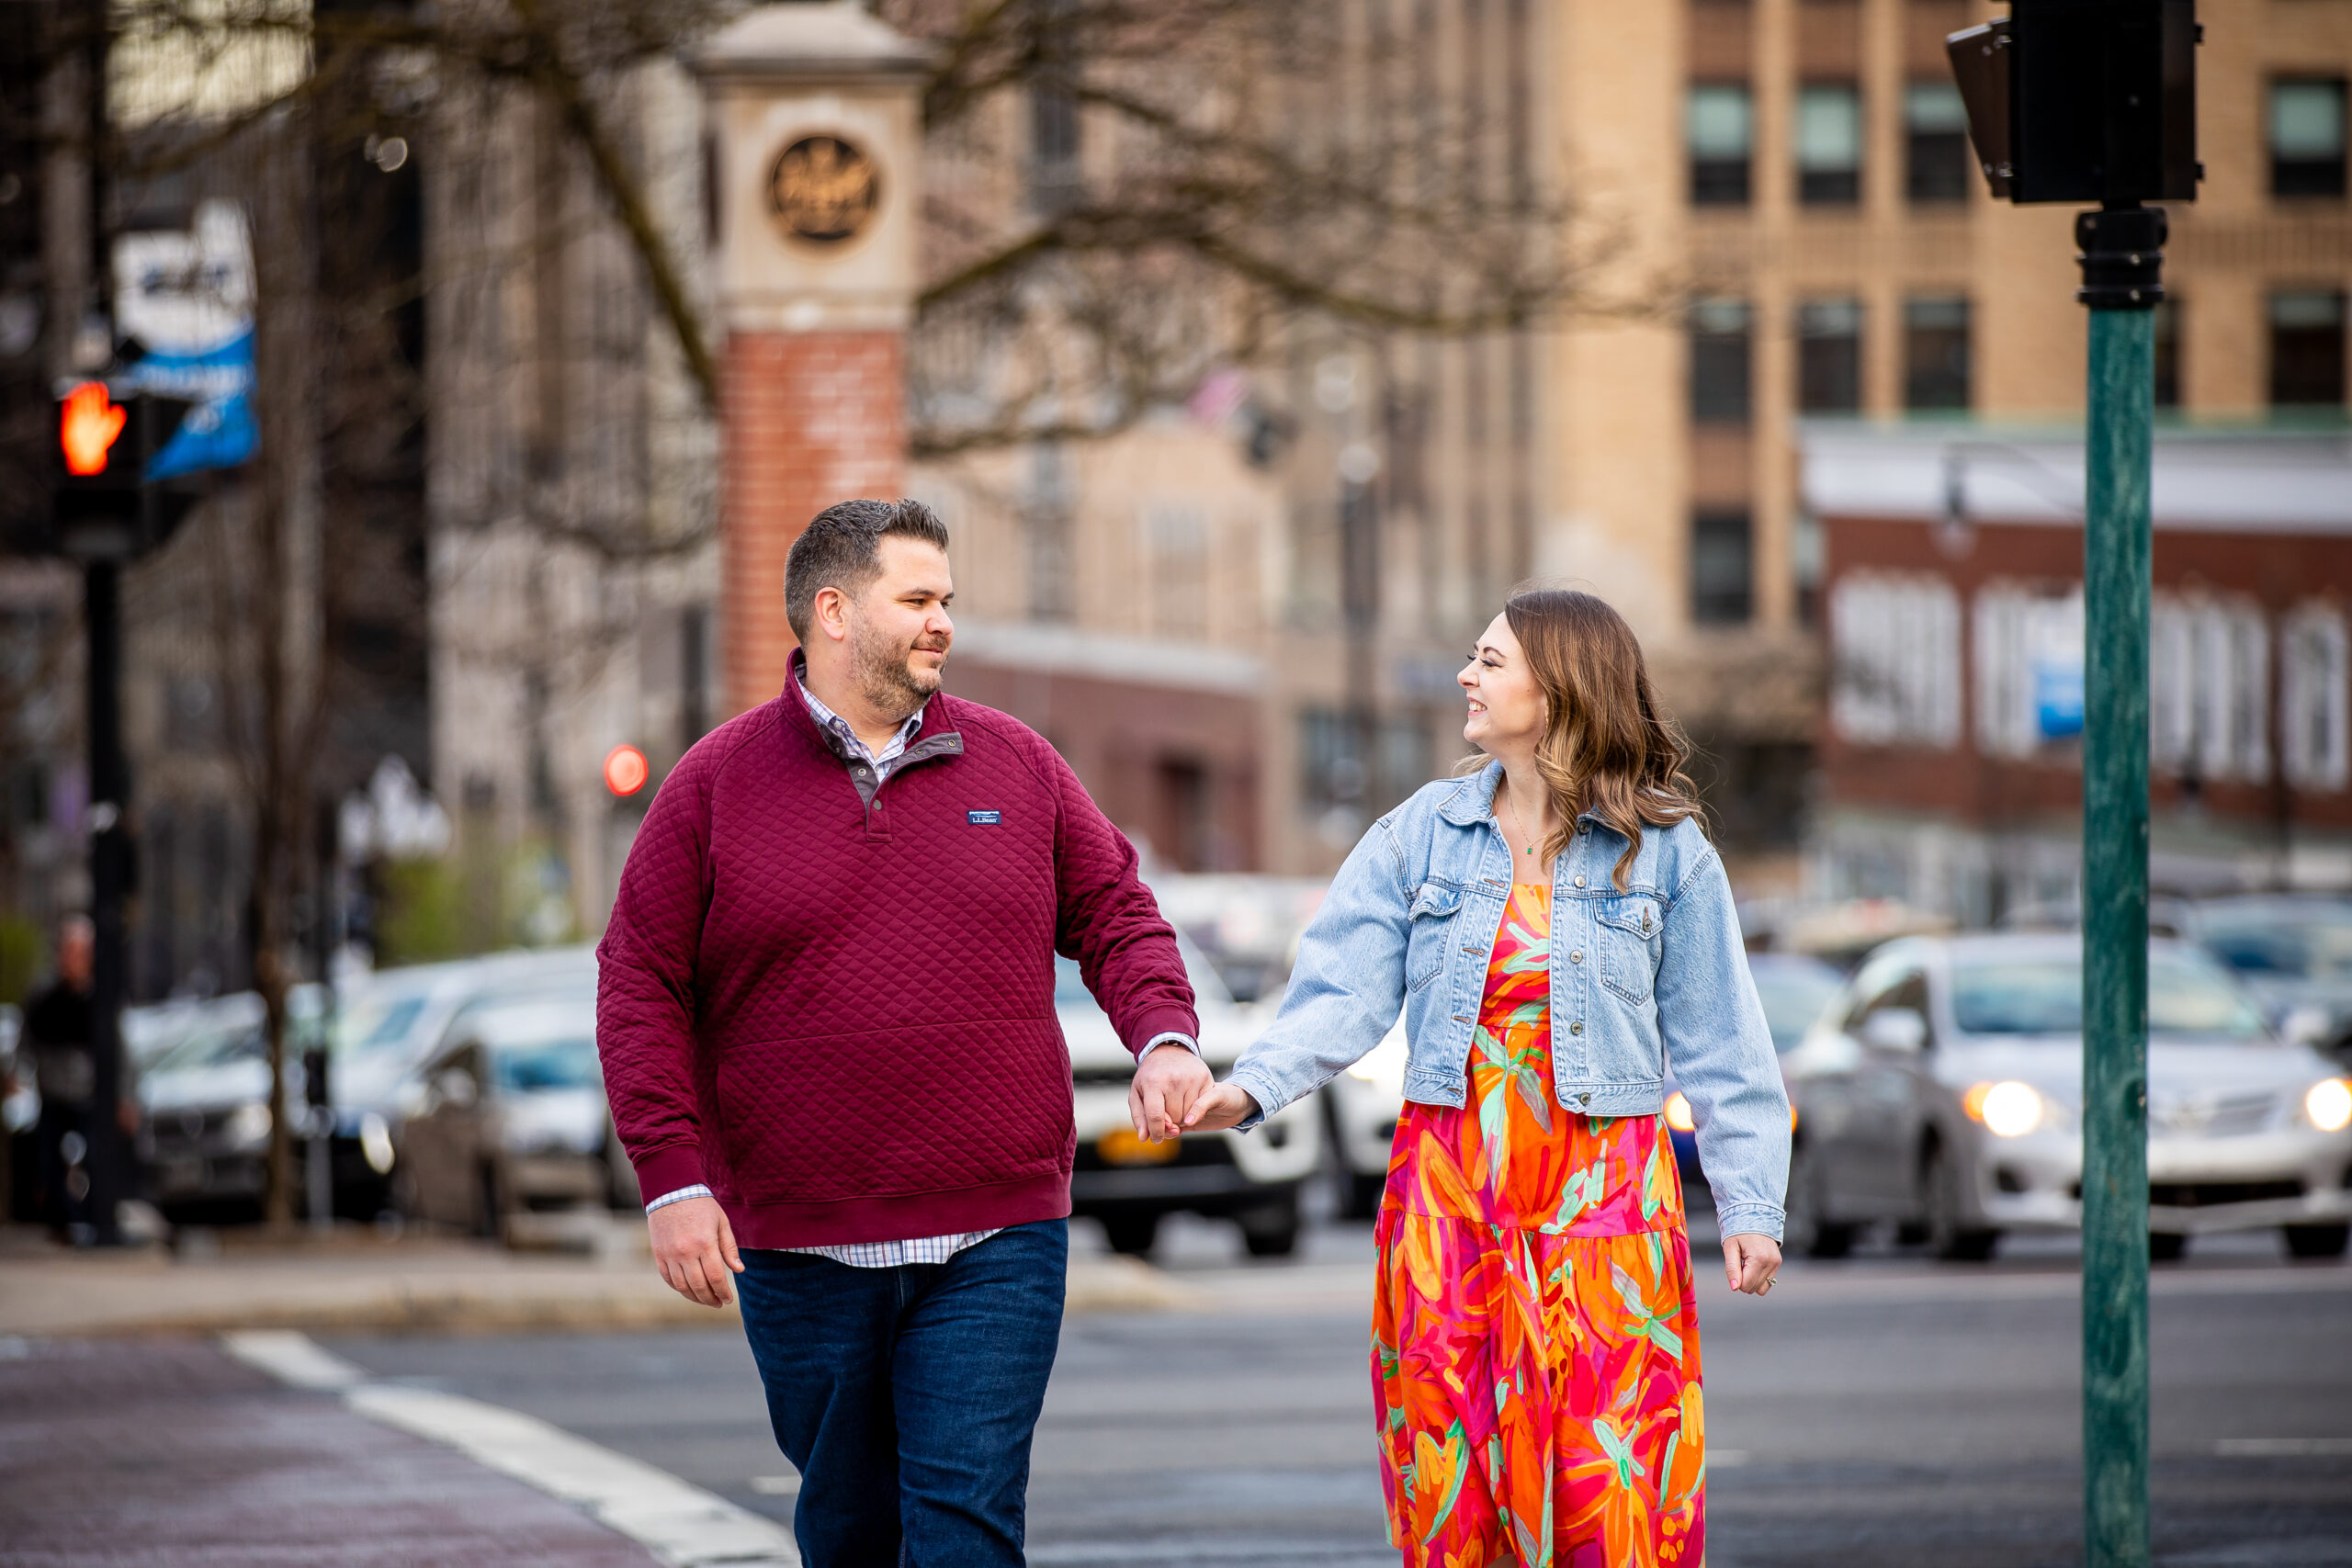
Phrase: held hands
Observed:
(695, 1248)
(1174, 1093)
(1225, 1105)
(1167, 1082)
(1750, 1261)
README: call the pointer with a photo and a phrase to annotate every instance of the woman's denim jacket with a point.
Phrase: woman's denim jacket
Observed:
(1653, 974)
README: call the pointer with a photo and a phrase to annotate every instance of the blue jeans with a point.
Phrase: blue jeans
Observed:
(906, 1397)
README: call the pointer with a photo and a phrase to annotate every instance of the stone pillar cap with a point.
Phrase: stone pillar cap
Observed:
(810, 39)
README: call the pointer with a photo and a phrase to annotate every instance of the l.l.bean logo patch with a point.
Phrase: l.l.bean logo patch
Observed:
(984, 819)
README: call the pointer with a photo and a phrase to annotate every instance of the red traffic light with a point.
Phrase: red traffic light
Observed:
(88, 425)
(626, 769)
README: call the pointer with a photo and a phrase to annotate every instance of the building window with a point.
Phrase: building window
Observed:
(1177, 541)
(2314, 711)
(1895, 651)
(1339, 787)
(1046, 514)
(2029, 658)
(1723, 568)
(1829, 356)
(1935, 353)
(2306, 349)
(1722, 134)
(1829, 144)
(1719, 362)
(2306, 138)
(1936, 162)
(1054, 186)
(2208, 687)
(2168, 353)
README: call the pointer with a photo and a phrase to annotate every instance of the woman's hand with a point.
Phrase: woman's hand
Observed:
(1750, 1261)
(1225, 1105)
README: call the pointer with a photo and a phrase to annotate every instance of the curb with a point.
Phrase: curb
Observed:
(67, 1300)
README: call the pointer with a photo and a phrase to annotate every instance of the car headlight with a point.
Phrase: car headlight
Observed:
(376, 1143)
(2009, 1109)
(2329, 1105)
(248, 1126)
(1381, 1066)
(1678, 1114)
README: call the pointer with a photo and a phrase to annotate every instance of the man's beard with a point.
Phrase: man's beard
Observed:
(880, 666)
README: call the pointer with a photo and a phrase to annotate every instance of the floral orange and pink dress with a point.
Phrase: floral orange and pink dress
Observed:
(1535, 1334)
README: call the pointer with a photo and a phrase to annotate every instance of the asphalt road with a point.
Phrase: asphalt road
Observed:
(1881, 1410)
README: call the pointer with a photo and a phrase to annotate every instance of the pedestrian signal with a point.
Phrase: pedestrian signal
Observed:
(626, 769)
(89, 421)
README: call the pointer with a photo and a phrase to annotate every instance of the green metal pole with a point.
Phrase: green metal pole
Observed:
(2121, 248)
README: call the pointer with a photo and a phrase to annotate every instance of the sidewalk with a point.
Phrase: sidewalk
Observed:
(173, 1455)
(357, 1280)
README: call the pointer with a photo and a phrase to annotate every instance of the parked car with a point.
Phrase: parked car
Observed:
(206, 1116)
(508, 1114)
(1794, 989)
(393, 1020)
(1252, 1178)
(205, 1098)
(2295, 952)
(1941, 1091)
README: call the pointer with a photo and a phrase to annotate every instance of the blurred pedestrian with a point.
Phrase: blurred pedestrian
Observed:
(1556, 927)
(58, 1035)
(826, 1013)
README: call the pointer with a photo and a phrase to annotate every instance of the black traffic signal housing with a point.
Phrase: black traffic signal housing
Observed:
(2084, 100)
(102, 506)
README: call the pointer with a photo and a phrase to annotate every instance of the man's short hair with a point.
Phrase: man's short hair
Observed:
(841, 548)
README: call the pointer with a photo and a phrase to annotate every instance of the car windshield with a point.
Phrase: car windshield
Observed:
(2044, 996)
(1792, 997)
(2317, 946)
(377, 1023)
(529, 1067)
(1069, 986)
(214, 1048)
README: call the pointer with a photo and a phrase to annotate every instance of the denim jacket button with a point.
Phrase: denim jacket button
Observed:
(1584, 1100)
(1577, 1028)
(1579, 882)
(1576, 955)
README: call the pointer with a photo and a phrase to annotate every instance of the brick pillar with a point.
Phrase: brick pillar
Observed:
(818, 136)
(812, 418)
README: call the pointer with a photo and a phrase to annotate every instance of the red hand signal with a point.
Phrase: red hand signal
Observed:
(89, 428)
(626, 769)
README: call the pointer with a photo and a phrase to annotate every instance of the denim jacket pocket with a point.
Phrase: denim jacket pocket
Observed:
(1631, 925)
(1432, 919)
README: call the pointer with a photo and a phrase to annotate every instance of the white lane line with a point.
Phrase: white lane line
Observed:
(683, 1526)
(2281, 1448)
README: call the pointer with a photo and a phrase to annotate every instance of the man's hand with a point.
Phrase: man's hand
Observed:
(1167, 1081)
(1750, 1261)
(1224, 1106)
(695, 1248)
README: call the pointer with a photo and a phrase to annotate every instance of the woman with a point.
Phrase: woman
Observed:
(1557, 928)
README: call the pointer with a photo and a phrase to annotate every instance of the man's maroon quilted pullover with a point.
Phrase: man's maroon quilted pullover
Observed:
(839, 1012)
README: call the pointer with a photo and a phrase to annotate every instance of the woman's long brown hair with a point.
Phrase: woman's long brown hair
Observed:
(1607, 747)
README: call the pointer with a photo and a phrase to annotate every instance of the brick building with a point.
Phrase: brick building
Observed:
(1950, 753)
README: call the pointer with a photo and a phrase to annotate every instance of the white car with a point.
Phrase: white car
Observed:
(1942, 1091)
(1251, 1177)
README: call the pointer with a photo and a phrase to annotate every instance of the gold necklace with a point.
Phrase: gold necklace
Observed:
(1516, 821)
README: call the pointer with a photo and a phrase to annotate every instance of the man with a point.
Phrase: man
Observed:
(826, 1014)
(57, 1028)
